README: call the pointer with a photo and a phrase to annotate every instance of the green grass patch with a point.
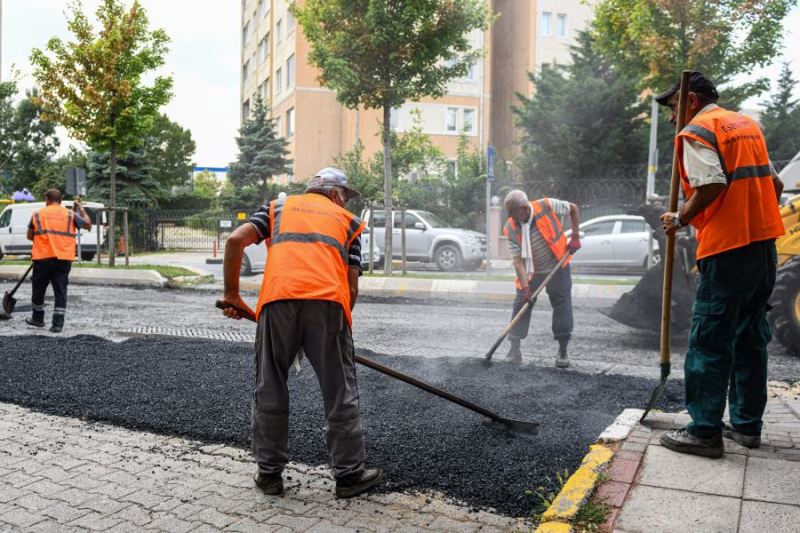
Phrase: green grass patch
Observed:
(499, 277)
(167, 271)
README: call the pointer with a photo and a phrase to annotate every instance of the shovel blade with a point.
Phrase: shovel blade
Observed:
(654, 399)
(8, 303)
(516, 426)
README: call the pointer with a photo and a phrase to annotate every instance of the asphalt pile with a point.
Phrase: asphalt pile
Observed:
(202, 390)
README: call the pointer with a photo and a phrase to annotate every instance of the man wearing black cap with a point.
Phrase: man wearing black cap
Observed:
(731, 201)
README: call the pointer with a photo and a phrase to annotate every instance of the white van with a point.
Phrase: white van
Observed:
(15, 218)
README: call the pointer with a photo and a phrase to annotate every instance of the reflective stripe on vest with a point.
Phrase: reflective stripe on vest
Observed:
(747, 210)
(54, 233)
(307, 255)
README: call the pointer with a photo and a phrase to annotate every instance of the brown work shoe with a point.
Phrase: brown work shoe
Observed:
(748, 441)
(354, 484)
(270, 484)
(682, 441)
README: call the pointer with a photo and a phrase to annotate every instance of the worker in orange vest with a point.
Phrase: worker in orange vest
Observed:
(537, 242)
(309, 288)
(731, 197)
(53, 230)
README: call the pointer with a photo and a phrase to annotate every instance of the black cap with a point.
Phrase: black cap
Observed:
(697, 84)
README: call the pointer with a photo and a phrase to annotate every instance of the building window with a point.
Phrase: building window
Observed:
(451, 119)
(471, 73)
(290, 72)
(452, 168)
(394, 118)
(246, 70)
(289, 22)
(265, 90)
(264, 8)
(278, 81)
(546, 23)
(469, 121)
(278, 31)
(561, 25)
(246, 32)
(245, 110)
(290, 122)
(278, 126)
(263, 48)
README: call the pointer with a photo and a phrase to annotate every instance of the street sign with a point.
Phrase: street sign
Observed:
(76, 181)
(225, 223)
(241, 215)
(490, 163)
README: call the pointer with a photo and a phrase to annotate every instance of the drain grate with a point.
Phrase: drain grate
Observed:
(155, 331)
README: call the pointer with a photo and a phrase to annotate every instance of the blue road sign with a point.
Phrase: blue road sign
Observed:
(490, 163)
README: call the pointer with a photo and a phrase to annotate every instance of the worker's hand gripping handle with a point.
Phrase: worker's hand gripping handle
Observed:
(244, 314)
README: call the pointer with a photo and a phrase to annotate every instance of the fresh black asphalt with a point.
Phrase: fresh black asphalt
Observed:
(201, 390)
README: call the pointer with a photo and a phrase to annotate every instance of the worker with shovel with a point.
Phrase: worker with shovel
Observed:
(309, 287)
(53, 230)
(537, 245)
(731, 200)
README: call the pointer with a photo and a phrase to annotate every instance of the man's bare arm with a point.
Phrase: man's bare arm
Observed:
(241, 238)
(352, 280)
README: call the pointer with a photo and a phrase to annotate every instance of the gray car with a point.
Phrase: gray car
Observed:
(428, 239)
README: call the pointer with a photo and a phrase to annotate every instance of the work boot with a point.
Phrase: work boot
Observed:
(748, 441)
(270, 484)
(58, 324)
(31, 321)
(514, 354)
(354, 484)
(563, 360)
(55, 329)
(682, 441)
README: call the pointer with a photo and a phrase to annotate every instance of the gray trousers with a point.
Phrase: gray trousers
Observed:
(320, 328)
(559, 290)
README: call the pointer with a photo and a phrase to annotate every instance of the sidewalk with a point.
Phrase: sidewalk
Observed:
(747, 491)
(65, 474)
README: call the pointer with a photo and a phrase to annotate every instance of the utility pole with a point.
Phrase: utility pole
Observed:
(1, 40)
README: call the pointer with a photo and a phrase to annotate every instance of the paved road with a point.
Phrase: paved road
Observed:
(413, 329)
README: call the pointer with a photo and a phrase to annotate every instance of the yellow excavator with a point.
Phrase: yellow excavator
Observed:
(785, 315)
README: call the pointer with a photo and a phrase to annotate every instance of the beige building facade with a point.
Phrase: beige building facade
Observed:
(274, 59)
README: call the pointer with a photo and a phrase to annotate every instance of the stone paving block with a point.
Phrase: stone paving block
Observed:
(9, 494)
(63, 512)
(104, 505)
(650, 509)
(95, 522)
(113, 490)
(634, 446)
(20, 517)
(186, 511)
(145, 498)
(667, 469)
(213, 517)
(169, 523)
(247, 525)
(326, 526)
(19, 479)
(125, 527)
(443, 523)
(84, 482)
(301, 523)
(56, 474)
(622, 470)
(612, 493)
(34, 502)
(72, 496)
(772, 480)
(134, 514)
(760, 517)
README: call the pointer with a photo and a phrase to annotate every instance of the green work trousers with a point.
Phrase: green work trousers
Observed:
(728, 341)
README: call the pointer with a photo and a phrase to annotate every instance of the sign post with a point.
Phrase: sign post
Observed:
(490, 157)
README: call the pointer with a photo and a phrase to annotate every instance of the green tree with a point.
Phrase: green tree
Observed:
(583, 120)
(206, 185)
(654, 40)
(53, 175)
(95, 85)
(262, 153)
(382, 53)
(136, 183)
(28, 143)
(170, 149)
(781, 118)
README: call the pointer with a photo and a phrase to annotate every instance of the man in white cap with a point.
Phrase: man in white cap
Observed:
(537, 243)
(310, 286)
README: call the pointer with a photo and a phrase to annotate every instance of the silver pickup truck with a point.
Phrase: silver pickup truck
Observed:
(428, 239)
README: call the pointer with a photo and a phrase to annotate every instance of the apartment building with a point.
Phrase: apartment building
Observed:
(274, 59)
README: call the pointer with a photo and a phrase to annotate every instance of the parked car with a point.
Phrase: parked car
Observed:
(428, 239)
(15, 218)
(615, 242)
(254, 260)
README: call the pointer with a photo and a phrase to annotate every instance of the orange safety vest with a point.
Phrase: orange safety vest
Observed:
(548, 224)
(747, 210)
(307, 258)
(54, 233)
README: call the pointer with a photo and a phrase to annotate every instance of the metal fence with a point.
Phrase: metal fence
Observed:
(154, 229)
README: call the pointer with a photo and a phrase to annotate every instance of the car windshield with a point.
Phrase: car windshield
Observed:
(433, 220)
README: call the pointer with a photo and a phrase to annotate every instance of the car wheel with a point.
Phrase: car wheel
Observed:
(448, 258)
(475, 264)
(247, 268)
(87, 256)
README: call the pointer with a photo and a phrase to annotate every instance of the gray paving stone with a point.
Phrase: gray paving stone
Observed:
(650, 509)
(34, 502)
(760, 517)
(95, 522)
(19, 479)
(50, 526)
(213, 517)
(104, 505)
(63, 512)
(772, 480)
(169, 523)
(667, 469)
(145, 498)
(9, 493)
(135, 514)
(301, 523)
(20, 517)
(113, 490)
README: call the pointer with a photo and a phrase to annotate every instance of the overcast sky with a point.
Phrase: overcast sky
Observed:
(203, 60)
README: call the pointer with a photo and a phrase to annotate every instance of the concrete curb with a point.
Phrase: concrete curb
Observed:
(98, 276)
(580, 485)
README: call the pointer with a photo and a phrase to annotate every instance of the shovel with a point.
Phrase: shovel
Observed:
(669, 255)
(8, 298)
(509, 424)
(524, 309)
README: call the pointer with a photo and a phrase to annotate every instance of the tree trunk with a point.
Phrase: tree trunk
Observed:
(112, 233)
(387, 189)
